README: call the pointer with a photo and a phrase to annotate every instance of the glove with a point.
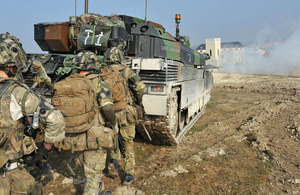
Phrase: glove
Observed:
(37, 156)
(42, 76)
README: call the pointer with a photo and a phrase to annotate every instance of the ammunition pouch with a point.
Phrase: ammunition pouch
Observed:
(100, 137)
(95, 138)
(17, 182)
(121, 117)
(3, 158)
(28, 145)
(41, 152)
(73, 141)
(131, 114)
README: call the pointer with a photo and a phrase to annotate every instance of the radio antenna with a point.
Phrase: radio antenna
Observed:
(75, 8)
(146, 11)
(86, 10)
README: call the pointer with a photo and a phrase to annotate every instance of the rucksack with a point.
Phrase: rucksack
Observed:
(116, 83)
(76, 99)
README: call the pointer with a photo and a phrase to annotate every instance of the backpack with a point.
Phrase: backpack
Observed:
(116, 83)
(76, 99)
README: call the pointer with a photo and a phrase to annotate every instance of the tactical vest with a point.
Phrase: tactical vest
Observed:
(113, 78)
(11, 131)
(75, 97)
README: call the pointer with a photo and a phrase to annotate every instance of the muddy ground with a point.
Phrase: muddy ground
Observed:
(247, 142)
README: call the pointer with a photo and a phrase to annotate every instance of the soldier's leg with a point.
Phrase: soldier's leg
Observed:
(94, 163)
(114, 153)
(128, 134)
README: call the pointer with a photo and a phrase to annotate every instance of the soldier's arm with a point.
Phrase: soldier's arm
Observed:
(50, 118)
(138, 86)
(41, 77)
(104, 98)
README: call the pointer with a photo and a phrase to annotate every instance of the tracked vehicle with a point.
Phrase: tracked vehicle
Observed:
(178, 81)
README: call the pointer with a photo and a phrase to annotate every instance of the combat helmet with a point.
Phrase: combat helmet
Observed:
(114, 55)
(12, 52)
(86, 60)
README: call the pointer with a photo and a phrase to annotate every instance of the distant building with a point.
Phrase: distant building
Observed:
(212, 47)
(233, 52)
(227, 52)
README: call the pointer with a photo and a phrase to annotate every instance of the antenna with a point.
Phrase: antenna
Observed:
(75, 8)
(86, 10)
(146, 11)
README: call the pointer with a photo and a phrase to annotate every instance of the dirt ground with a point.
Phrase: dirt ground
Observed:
(247, 142)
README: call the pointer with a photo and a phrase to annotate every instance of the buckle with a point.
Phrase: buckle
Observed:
(11, 166)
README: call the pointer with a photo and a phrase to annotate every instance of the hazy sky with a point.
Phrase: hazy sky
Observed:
(231, 20)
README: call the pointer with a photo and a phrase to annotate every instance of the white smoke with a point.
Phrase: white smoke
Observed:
(283, 58)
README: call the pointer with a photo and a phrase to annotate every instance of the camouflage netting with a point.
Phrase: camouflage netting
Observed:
(94, 19)
(95, 31)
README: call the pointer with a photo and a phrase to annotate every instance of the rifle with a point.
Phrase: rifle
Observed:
(118, 141)
(121, 145)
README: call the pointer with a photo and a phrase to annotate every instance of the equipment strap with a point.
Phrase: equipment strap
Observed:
(5, 85)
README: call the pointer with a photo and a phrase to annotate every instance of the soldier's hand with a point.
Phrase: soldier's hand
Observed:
(42, 76)
(48, 146)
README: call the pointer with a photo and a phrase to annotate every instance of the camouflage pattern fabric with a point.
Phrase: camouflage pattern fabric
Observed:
(127, 131)
(133, 84)
(94, 160)
(86, 60)
(103, 93)
(96, 29)
(17, 182)
(128, 134)
(94, 163)
(25, 103)
(41, 77)
(11, 53)
(93, 19)
(18, 102)
(113, 57)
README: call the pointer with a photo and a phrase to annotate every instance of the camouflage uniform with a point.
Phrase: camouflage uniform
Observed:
(94, 159)
(18, 103)
(127, 117)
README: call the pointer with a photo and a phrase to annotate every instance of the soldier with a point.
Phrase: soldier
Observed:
(20, 106)
(86, 102)
(127, 116)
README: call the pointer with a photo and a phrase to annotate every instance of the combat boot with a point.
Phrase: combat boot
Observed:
(128, 179)
(113, 168)
(105, 193)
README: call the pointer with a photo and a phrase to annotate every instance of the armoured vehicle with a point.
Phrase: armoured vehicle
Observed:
(178, 81)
